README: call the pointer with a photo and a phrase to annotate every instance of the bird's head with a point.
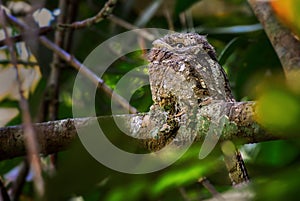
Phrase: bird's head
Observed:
(187, 43)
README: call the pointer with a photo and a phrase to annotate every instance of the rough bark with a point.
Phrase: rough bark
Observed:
(56, 136)
(286, 45)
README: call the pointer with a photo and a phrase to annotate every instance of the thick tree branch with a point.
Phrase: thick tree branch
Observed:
(284, 42)
(56, 136)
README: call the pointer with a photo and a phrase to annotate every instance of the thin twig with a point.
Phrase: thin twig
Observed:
(3, 192)
(102, 14)
(18, 184)
(72, 8)
(30, 135)
(52, 91)
(183, 193)
(122, 22)
(189, 21)
(129, 26)
(148, 13)
(72, 61)
(19, 38)
(205, 182)
(183, 20)
(53, 82)
(169, 19)
(63, 39)
(25, 63)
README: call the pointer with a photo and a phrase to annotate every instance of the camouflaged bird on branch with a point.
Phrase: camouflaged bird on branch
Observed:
(185, 76)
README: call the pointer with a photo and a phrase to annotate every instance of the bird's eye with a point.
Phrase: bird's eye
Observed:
(179, 45)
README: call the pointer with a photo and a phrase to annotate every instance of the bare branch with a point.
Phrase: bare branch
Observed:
(25, 63)
(55, 136)
(184, 194)
(31, 143)
(132, 27)
(102, 14)
(19, 38)
(88, 73)
(284, 42)
(3, 192)
(205, 182)
(19, 182)
(72, 61)
(52, 90)
(63, 39)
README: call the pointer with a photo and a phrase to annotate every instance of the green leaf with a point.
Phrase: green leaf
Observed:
(180, 177)
(230, 48)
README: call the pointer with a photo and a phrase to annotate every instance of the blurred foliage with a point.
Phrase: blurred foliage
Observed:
(181, 6)
(278, 108)
(288, 12)
(254, 71)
